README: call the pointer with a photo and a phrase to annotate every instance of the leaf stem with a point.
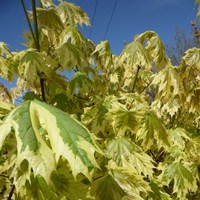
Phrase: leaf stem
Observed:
(11, 192)
(136, 76)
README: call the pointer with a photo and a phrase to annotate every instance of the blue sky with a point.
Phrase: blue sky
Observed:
(131, 17)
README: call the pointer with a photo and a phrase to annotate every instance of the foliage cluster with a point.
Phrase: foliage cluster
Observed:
(121, 127)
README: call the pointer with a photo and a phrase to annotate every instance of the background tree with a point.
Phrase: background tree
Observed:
(180, 43)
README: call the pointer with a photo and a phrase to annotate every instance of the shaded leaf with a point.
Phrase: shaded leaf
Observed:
(107, 188)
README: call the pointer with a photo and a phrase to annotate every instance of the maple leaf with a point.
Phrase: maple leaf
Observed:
(71, 14)
(33, 66)
(154, 47)
(135, 54)
(170, 91)
(132, 183)
(103, 52)
(123, 119)
(46, 3)
(107, 188)
(49, 18)
(70, 56)
(152, 132)
(185, 176)
(67, 137)
(80, 83)
(73, 35)
(6, 65)
(121, 149)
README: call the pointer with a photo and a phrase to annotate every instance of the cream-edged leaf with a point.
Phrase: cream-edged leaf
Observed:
(153, 132)
(71, 14)
(70, 56)
(122, 149)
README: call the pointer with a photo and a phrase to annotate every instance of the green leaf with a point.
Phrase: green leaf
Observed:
(107, 188)
(69, 188)
(73, 35)
(65, 103)
(170, 91)
(31, 96)
(124, 119)
(30, 144)
(122, 149)
(95, 118)
(33, 66)
(135, 54)
(152, 132)
(49, 19)
(70, 56)
(80, 83)
(133, 184)
(66, 136)
(155, 48)
(6, 65)
(46, 3)
(184, 176)
(104, 55)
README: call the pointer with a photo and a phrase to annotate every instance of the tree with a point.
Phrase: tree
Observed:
(180, 43)
(97, 135)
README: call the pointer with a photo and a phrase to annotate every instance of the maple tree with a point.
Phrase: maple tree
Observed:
(120, 127)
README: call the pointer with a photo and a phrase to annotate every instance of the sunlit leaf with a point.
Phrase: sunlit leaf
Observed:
(68, 138)
(120, 149)
(152, 132)
(155, 48)
(70, 56)
(103, 52)
(72, 14)
(184, 178)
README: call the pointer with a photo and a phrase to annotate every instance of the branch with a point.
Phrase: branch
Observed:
(82, 98)
(37, 44)
(28, 20)
(11, 192)
(42, 89)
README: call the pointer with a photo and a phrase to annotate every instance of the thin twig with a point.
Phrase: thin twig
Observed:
(28, 20)
(37, 44)
(8, 50)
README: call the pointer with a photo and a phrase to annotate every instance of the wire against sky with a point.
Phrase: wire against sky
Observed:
(93, 17)
(113, 11)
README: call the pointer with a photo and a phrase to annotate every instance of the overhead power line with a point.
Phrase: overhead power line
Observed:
(93, 17)
(113, 11)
